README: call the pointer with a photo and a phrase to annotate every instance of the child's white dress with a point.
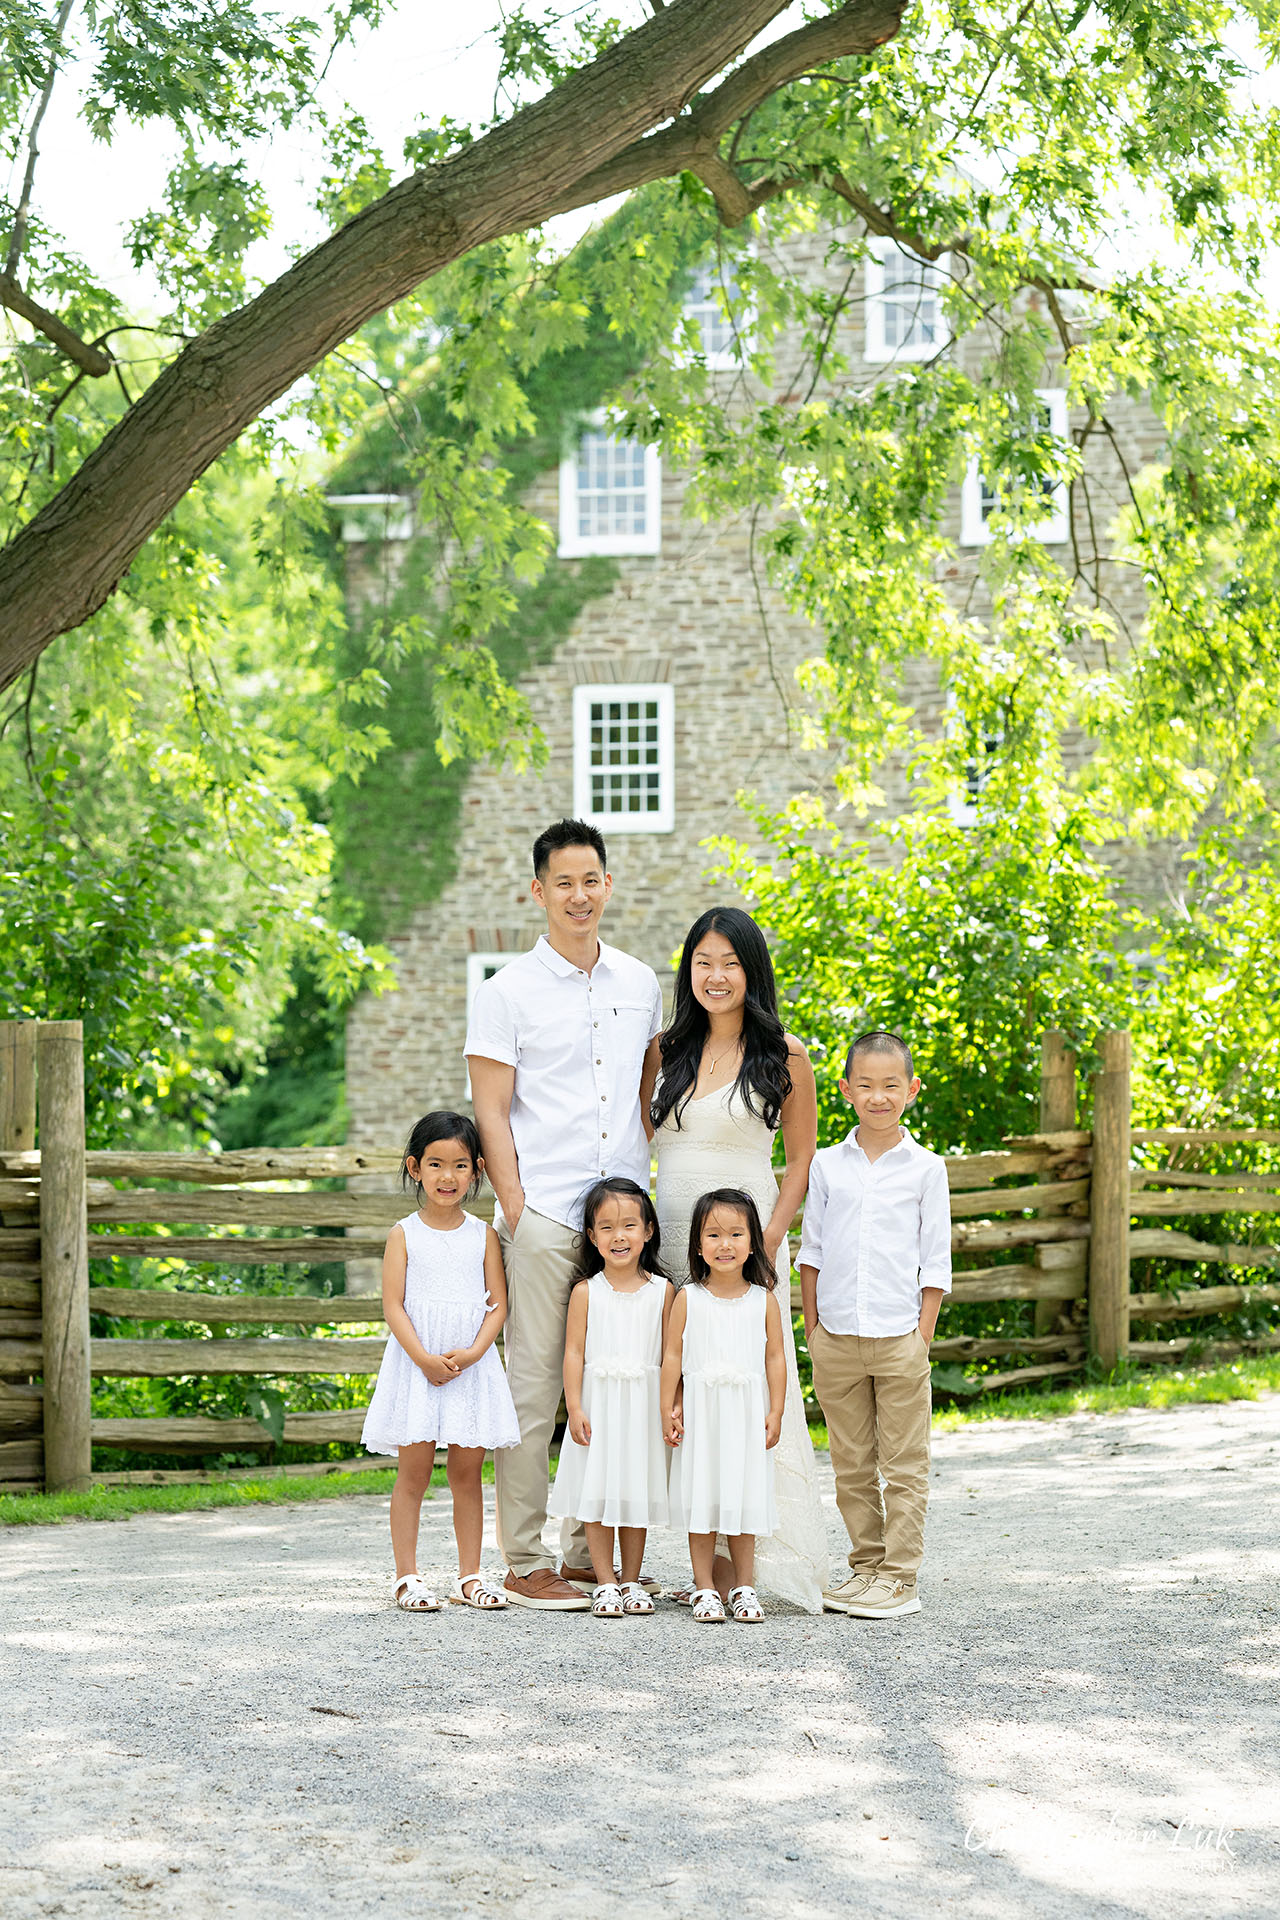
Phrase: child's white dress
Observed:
(722, 1472)
(620, 1478)
(446, 1299)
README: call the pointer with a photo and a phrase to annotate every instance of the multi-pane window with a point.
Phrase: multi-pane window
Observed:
(623, 757)
(981, 496)
(715, 301)
(904, 315)
(610, 495)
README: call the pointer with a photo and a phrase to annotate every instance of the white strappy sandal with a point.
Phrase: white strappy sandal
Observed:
(706, 1607)
(606, 1602)
(412, 1595)
(745, 1605)
(484, 1596)
(634, 1598)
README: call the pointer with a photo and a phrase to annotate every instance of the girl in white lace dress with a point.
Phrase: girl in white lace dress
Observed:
(727, 1079)
(613, 1466)
(444, 1298)
(724, 1383)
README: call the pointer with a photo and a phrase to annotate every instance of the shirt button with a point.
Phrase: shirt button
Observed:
(604, 1136)
(599, 1061)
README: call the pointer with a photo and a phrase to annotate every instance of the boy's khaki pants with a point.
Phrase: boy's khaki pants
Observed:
(540, 1260)
(876, 1399)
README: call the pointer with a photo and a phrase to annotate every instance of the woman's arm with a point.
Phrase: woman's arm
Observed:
(495, 1284)
(800, 1141)
(436, 1366)
(775, 1370)
(672, 1367)
(648, 1080)
(575, 1355)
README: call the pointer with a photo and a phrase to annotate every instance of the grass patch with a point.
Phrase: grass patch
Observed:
(1240, 1379)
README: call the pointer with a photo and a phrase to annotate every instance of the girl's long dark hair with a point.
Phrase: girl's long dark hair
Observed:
(759, 1270)
(590, 1258)
(764, 1079)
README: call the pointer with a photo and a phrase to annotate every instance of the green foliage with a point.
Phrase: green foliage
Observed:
(264, 1488)
(968, 942)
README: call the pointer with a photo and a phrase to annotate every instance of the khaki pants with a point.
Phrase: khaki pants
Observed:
(540, 1260)
(876, 1399)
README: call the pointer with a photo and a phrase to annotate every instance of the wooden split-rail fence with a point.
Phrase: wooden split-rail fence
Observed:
(1061, 1201)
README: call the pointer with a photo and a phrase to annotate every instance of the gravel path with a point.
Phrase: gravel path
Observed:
(1084, 1721)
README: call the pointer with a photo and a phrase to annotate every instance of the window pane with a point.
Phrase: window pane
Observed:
(611, 486)
(625, 748)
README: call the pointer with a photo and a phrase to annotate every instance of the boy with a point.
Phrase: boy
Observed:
(875, 1261)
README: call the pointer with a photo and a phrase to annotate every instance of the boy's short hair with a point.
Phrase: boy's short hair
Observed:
(566, 833)
(880, 1042)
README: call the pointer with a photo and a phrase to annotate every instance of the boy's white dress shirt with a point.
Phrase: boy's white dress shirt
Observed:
(878, 1231)
(577, 1041)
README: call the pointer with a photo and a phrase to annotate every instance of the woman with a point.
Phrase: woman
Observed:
(724, 1077)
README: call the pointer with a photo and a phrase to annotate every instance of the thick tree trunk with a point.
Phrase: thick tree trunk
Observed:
(61, 567)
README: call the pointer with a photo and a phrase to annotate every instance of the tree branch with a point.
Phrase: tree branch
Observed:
(691, 142)
(62, 566)
(18, 237)
(89, 359)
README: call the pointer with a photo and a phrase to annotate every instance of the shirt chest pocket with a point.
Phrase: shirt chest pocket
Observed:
(624, 1028)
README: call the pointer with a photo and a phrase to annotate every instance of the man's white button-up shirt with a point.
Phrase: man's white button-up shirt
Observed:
(878, 1231)
(577, 1041)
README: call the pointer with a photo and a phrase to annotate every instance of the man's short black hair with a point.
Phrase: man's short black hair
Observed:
(880, 1042)
(566, 833)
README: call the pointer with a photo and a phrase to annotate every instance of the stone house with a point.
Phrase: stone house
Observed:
(667, 696)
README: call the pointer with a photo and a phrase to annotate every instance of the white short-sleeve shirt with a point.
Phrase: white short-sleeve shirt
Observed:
(878, 1231)
(577, 1041)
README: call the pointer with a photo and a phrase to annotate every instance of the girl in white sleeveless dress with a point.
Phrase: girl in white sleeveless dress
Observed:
(613, 1465)
(723, 1392)
(444, 1299)
(723, 1054)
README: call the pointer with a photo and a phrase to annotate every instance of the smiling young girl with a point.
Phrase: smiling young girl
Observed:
(724, 1356)
(613, 1470)
(444, 1298)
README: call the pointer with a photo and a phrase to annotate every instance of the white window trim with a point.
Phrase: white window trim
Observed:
(1054, 529)
(574, 545)
(725, 361)
(374, 516)
(874, 345)
(663, 821)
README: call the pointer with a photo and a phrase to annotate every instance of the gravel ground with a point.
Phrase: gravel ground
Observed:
(220, 1713)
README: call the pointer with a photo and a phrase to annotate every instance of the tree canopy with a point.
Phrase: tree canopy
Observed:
(1095, 186)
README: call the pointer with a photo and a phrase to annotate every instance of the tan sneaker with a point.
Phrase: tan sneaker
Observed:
(546, 1591)
(837, 1599)
(884, 1596)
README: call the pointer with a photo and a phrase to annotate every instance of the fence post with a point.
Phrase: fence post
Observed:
(64, 1254)
(1109, 1204)
(1057, 1115)
(17, 1086)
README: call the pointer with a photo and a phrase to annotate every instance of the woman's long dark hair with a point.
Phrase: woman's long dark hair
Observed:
(757, 1272)
(764, 1079)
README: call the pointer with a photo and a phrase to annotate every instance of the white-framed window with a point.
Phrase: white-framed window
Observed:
(482, 967)
(721, 311)
(610, 494)
(904, 313)
(964, 804)
(373, 516)
(624, 757)
(979, 498)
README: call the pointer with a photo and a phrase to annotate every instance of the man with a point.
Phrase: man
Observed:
(556, 1048)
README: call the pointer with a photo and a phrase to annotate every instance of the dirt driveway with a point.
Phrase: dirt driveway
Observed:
(220, 1715)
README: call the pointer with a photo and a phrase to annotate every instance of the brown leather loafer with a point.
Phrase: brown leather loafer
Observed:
(546, 1591)
(585, 1577)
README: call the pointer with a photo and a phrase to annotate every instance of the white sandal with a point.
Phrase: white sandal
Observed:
(707, 1607)
(606, 1601)
(745, 1605)
(634, 1598)
(484, 1596)
(412, 1595)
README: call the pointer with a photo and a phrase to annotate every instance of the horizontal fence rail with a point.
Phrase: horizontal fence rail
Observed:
(1052, 1219)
